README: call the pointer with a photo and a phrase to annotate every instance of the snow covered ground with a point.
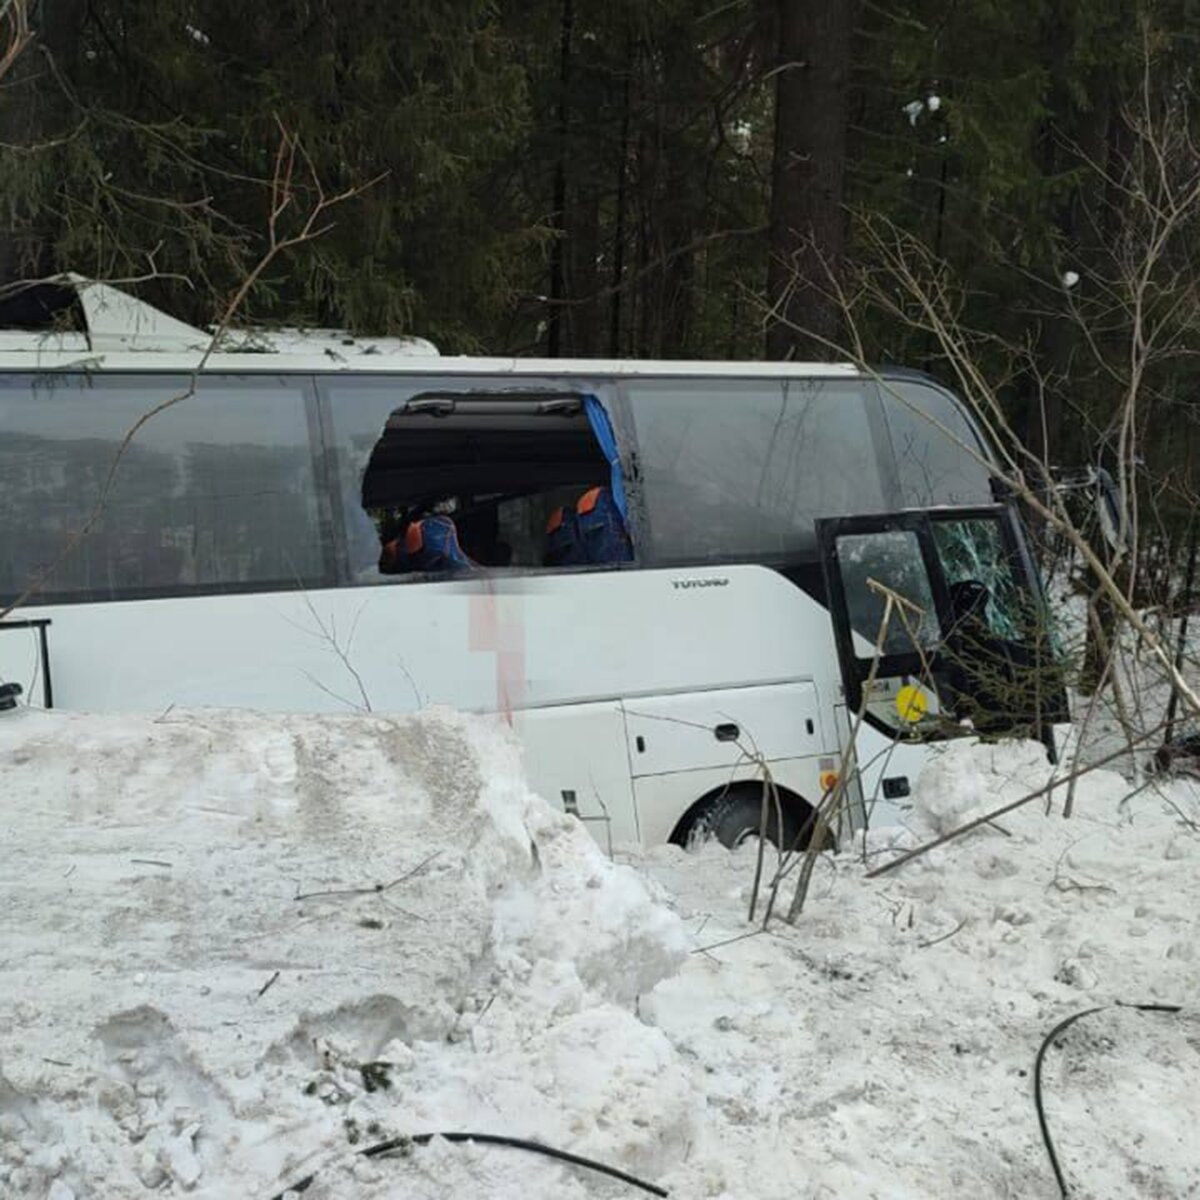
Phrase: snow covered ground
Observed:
(235, 950)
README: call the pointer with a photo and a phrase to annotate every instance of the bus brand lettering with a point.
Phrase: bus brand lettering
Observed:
(717, 581)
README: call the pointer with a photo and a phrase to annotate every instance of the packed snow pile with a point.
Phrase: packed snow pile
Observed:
(235, 948)
(885, 1045)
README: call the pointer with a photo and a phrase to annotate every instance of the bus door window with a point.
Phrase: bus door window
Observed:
(973, 551)
(997, 663)
(900, 689)
(892, 559)
(967, 651)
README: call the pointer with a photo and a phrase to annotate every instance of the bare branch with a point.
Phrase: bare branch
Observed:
(283, 196)
(14, 17)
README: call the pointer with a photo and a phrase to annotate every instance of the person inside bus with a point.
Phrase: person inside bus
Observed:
(593, 532)
(480, 537)
(450, 538)
(426, 543)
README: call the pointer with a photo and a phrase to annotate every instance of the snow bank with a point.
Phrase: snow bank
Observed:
(235, 947)
(884, 1047)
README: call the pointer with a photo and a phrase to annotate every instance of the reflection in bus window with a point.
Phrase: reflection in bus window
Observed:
(891, 558)
(741, 468)
(216, 490)
(938, 457)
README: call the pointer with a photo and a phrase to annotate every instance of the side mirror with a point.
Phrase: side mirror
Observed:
(1107, 499)
(1099, 492)
(8, 695)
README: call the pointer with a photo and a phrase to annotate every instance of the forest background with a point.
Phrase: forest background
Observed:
(656, 178)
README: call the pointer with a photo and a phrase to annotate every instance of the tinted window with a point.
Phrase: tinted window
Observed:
(216, 490)
(741, 468)
(933, 442)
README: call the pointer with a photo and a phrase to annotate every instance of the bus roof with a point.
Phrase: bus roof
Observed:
(58, 354)
(127, 334)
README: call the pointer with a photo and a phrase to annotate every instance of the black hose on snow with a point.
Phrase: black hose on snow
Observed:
(490, 1139)
(1047, 1041)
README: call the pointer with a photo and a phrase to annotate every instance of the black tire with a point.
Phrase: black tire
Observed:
(735, 815)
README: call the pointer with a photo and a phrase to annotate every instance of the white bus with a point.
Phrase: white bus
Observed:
(647, 567)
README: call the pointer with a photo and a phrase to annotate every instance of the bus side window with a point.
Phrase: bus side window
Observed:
(493, 461)
(937, 454)
(739, 469)
(216, 491)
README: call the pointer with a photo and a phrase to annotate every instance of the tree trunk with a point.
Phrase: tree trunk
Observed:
(558, 220)
(581, 304)
(1073, 135)
(807, 225)
(618, 241)
(643, 291)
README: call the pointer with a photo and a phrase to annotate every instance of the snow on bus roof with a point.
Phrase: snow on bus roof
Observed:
(125, 333)
(70, 351)
(117, 321)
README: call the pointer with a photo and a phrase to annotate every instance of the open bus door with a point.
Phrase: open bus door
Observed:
(25, 663)
(966, 649)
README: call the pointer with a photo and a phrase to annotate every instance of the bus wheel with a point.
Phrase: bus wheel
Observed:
(734, 816)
